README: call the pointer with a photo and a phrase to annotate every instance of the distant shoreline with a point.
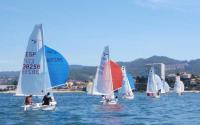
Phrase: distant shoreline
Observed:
(54, 91)
(68, 91)
(78, 91)
(192, 91)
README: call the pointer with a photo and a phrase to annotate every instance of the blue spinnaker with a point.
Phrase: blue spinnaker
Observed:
(58, 67)
(131, 81)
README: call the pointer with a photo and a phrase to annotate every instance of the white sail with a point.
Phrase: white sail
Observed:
(103, 82)
(160, 84)
(94, 85)
(151, 84)
(34, 77)
(182, 87)
(126, 88)
(89, 88)
(178, 86)
(166, 86)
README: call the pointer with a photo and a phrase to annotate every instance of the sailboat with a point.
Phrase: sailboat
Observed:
(166, 86)
(152, 86)
(179, 86)
(43, 68)
(108, 79)
(160, 84)
(126, 90)
(131, 81)
(89, 88)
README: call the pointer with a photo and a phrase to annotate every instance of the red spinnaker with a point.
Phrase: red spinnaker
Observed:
(117, 78)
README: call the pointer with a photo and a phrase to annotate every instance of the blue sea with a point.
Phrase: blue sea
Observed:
(82, 109)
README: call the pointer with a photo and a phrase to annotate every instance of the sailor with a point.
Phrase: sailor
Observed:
(103, 97)
(46, 99)
(107, 99)
(28, 100)
(159, 91)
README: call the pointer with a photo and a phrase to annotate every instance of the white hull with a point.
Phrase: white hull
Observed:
(39, 106)
(109, 102)
(154, 96)
(179, 93)
(128, 97)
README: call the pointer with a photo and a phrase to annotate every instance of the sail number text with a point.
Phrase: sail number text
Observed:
(31, 66)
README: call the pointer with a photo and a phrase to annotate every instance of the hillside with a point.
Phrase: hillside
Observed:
(136, 67)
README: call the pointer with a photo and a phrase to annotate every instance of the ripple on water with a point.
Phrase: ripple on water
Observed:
(83, 109)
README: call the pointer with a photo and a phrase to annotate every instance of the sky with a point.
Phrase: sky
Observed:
(79, 29)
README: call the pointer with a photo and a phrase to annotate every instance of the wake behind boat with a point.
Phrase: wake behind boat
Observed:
(43, 69)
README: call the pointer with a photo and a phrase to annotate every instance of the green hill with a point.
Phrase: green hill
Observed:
(136, 67)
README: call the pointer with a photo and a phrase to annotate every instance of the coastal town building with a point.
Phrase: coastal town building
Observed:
(185, 75)
(7, 87)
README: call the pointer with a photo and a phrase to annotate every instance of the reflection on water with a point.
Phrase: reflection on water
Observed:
(111, 108)
(111, 120)
(83, 109)
(111, 114)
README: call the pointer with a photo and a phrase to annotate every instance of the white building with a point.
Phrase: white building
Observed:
(7, 87)
(186, 75)
(159, 69)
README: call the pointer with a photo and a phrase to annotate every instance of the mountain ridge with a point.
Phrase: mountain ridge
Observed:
(136, 67)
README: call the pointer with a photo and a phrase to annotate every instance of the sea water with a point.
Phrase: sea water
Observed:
(82, 109)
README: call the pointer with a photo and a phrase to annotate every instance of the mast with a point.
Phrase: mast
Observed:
(43, 59)
(110, 72)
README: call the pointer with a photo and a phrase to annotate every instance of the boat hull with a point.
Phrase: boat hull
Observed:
(153, 95)
(109, 102)
(180, 93)
(39, 106)
(128, 97)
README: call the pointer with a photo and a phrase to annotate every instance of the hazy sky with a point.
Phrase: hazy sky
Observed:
(79, 29)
